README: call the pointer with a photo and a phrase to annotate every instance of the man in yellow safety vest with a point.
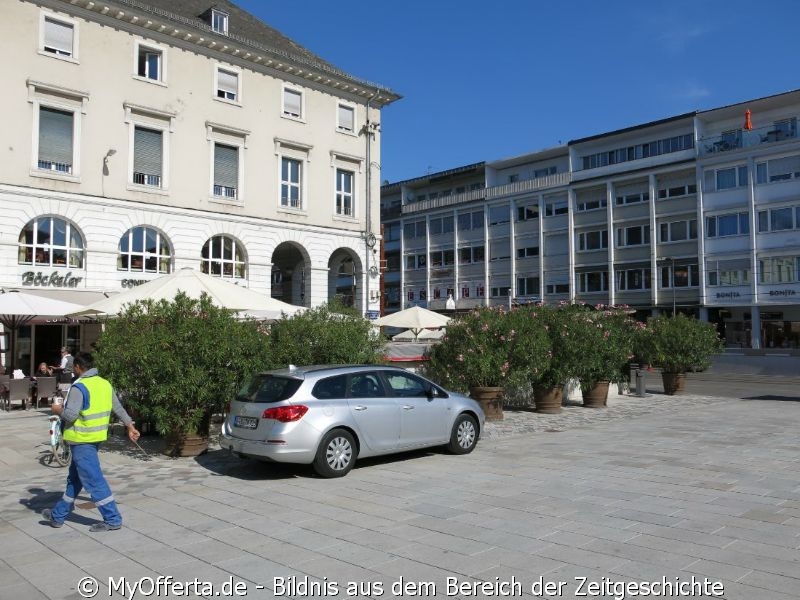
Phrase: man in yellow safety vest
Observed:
(86, 415)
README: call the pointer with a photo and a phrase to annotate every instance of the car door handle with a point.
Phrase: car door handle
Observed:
(408, 407)
(360, 407)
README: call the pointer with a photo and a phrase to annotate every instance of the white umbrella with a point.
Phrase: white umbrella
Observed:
(194, 284)
(415, 318)
(18, 308)
(425, 334)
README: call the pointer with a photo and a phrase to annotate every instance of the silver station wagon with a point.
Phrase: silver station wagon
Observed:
(330, 415)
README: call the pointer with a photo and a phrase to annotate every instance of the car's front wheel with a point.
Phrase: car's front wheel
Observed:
(464, 436)
(336, 454)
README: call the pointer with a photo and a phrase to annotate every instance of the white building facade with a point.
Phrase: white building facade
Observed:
(149, 136)
(698, 213)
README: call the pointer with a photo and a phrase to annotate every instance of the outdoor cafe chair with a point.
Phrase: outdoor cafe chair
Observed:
(4, 379)
(46, 389)
(18, 389)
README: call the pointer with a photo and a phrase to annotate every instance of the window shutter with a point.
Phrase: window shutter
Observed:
(226, 166)
(346, 120)
(292, 102)
(147, 157)
(55, 136)
(228, 82)
(58, 36)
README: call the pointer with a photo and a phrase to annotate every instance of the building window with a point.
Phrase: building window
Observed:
(596, 281)
(633, 198)
(51, 242)
(584, 205)
(779, 219)
(344, 192)
(473, 220)
(528, 252)
(720, 276)
(227, 85)
(677, 191)
(149, 63)
(593, 240)
(219, 21)
(58, 37)
(292, 103)
(726, 179)
(779, 269)
(498, 215)
(528, 212)
(538, 173)
(499, 250)
(56, 140)
(633, 236)
(346, 118)
(646, 150)
(226, 171)
(633, 279)
(678, 231)
(144, 249)
(781, 169)
(556, 288)
(679, 276)
(513, 178)
(528, 286)
(223, 256)
(147, 156)
(556, 207)
(730, 224)
(291, 190)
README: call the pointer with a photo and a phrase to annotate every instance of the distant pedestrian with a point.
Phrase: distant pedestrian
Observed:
(86, 415)
(65, 369)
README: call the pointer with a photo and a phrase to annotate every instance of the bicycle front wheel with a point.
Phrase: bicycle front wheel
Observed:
(62, 453)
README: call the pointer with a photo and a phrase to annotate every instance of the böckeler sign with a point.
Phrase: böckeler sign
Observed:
(55, 279)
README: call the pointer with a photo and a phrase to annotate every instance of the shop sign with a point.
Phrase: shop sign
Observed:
(787, 292)
(55, 279)
(727, 295)
(129, 283)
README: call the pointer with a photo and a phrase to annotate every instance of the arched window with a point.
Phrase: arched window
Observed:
(223, 256)
(144, 249)
(51, 242)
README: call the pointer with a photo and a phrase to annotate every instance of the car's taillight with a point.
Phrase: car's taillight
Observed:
(285, 414)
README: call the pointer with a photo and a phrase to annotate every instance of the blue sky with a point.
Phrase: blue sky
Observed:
(490, 80)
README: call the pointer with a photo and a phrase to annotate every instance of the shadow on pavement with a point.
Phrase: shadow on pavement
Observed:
(774, 397)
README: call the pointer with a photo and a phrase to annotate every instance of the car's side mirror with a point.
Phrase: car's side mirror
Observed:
(431, 392)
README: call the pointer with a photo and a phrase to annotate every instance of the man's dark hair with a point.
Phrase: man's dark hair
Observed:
(84, 360)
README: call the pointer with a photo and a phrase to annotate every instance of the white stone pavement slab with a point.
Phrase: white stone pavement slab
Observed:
(674, 487)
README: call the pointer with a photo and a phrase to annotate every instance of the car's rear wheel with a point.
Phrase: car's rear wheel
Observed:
(464, 436)
(336, 454)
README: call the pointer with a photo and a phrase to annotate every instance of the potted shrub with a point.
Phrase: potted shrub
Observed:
(473, 356)
(677, 344)
(178, 362)
(606, 333)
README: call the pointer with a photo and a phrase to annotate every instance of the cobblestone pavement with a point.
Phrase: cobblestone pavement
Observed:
(648, 488)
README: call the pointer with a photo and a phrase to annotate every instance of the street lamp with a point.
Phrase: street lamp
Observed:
(671, 262)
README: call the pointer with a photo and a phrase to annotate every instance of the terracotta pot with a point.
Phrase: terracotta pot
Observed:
(673, 382)
(597, 396)
(491, 401)
(548, 400)
(186, 444)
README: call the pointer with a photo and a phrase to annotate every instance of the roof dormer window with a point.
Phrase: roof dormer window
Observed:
(219, 21)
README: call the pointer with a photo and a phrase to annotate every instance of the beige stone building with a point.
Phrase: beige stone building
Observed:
(143, 137)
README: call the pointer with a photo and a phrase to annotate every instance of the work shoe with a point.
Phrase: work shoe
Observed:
(103, 527)
(48, 516)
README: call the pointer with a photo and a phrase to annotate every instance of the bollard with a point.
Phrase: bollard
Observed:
(640, 383)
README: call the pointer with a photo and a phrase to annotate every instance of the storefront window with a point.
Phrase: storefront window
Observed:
(51, 242)
(144, 249)
(223, 256)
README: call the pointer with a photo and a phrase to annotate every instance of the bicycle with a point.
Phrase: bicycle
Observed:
(59, 448)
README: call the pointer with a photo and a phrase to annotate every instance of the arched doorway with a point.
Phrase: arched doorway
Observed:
(291, 270)
(344, 277)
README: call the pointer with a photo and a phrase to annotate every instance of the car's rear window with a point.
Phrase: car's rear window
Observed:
(268, 388)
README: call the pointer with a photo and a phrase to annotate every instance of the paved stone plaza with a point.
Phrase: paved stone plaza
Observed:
(649, 488)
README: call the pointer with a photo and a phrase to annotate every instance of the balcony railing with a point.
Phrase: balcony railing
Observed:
(48, 165)
(497, 191)
(224, 191)
(147, 179)
(725, 142)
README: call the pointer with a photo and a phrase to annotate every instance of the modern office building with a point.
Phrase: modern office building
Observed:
(697, 213)
(146, 136)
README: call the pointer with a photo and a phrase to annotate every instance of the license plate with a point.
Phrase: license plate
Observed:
(245, 422)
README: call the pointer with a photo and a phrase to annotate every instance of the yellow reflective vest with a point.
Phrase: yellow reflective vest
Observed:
(91, 426)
